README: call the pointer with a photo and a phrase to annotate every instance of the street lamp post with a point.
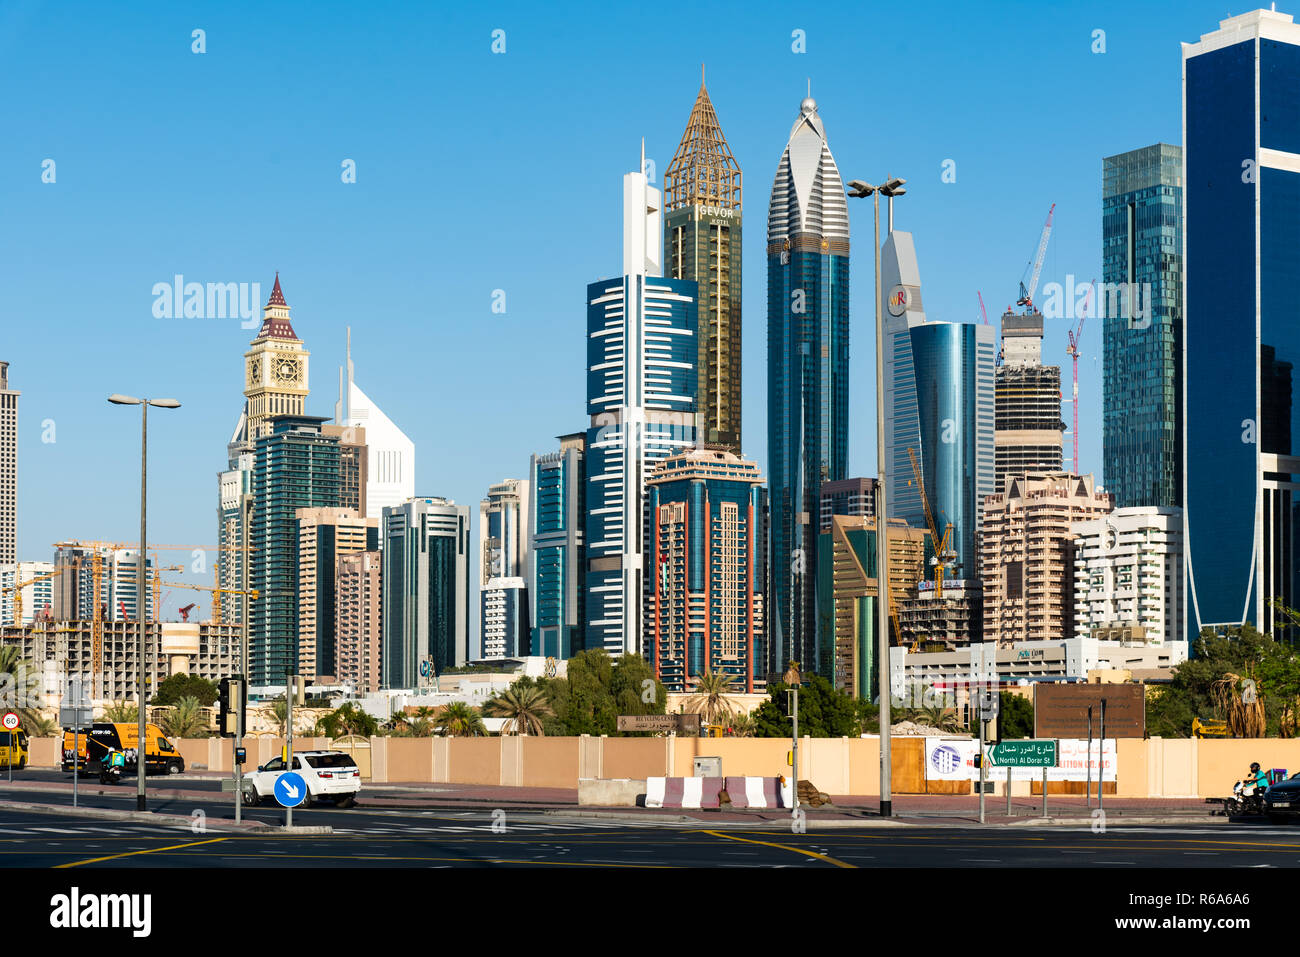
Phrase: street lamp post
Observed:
(141, 748)
(859, 190)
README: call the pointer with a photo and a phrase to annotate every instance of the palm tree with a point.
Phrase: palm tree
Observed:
(20, 685)
(185, 719)
(460, 720)
(346, 720)
(1245, 720)
(43, 727)
(743, 725)
(710, 700)
(122, 712)
(523, 710)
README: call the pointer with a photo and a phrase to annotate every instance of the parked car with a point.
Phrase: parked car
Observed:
(1282, 800)
(328, 774)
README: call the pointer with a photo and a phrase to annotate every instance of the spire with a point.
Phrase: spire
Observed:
(275, 316)
(277, 297)
(703, 171)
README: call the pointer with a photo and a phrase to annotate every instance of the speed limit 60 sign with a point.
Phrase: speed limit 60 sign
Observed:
(10, 721)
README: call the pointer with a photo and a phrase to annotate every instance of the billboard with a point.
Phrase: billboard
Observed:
(1061, 710)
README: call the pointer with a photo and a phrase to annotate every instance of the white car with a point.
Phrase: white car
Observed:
(329, 774)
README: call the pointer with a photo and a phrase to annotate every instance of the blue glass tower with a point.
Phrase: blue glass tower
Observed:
(555, 576)
(954, 365)
(1241, 176)
(807, 377)
(1142, 248)
(641, 387)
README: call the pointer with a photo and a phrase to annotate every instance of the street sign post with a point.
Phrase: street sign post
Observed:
(11, 721)
(659, 722)
(290, 789)
(1029, 753)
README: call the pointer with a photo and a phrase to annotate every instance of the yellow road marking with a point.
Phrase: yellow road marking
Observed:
(783, 847)
(154, 850)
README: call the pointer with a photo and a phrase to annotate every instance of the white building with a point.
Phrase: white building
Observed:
(37, 597)
(1128, 572)
(390, 455)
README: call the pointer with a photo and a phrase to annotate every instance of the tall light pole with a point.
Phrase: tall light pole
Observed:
(142, 746)
(859, 190)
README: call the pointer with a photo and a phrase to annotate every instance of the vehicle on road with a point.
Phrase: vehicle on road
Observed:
(14, 750)
(104, 737)
(332, 775)
(1282, 800)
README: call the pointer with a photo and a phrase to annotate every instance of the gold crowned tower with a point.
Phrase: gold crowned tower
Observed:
(275, 370)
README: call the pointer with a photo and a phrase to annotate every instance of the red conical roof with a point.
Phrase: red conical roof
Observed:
(277, 297)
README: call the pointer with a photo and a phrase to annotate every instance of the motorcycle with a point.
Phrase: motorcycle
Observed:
(1244, 800)
(110, 772)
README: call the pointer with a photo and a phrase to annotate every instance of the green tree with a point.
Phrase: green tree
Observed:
(348, 719)
(597, 689)
(122, 712)
(710, 699)
(1016, 715)
(185, 719)
(459, 720)
(180, 686)
(824, 712)
(20, 686)
(523, 708)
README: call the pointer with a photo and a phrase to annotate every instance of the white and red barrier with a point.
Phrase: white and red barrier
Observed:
(744, 792)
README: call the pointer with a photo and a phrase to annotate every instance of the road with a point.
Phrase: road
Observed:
(375, 837)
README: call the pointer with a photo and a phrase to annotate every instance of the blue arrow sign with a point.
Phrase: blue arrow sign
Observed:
(290, 789)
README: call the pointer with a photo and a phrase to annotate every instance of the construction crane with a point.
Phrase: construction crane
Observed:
(17, 589)
(157, 584)
(1027, 294)
(943, 553)
(215, 591)
(1075, 335)
(185, 612)
(216, 569)
(984, 314)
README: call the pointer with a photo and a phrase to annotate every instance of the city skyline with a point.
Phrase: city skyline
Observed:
(182, 463)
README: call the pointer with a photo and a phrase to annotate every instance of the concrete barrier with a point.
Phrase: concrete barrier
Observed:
(746, 792)
(610, 792)
(754, 792)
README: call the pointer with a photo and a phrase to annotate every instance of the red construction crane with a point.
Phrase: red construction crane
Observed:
(185, 612)
(1027, 294)
(983, 312)
(1075, 336)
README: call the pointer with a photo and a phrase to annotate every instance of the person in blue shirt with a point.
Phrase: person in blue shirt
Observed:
(1257, 778)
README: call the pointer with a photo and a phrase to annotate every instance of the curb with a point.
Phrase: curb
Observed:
(107, 814)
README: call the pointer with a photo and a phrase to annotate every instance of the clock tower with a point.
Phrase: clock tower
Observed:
(275, 367)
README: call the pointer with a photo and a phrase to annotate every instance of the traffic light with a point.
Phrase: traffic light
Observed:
(978, 758)
(234, 702)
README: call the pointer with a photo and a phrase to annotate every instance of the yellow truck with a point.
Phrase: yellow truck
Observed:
(14, 748)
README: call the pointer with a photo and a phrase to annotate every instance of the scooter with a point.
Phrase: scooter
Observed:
(1244, 801)
(110, 773)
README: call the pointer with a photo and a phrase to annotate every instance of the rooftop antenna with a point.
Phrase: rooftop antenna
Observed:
(701, 74)
(810, 86)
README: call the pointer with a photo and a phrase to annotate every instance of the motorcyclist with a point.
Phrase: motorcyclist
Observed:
(111, 767)
(1257, 779)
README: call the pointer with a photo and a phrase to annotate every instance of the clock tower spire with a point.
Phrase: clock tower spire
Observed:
(275, 370)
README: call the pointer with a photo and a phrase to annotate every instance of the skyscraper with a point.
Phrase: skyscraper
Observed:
(8, 468)
(295, 466)
(503, 530)
(358, 615)
(641, 381)
(1028, 429)
(807, 374)
(325, 536)
(954, 367)
(702, 243)
(556, 588)
(902, 310)
(275, 381)
(1142, 396)
(425, 588)
(705, 611)
(390, 455)
(1241, 456)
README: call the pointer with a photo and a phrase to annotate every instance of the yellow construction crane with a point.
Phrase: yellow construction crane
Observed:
(157, 583)
(253, 593)
(216, 588)
(17, 589)
(942, 546)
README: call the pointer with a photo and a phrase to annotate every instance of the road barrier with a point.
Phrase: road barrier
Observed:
(682, 792)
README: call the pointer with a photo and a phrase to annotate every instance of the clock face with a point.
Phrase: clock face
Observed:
(287, 369)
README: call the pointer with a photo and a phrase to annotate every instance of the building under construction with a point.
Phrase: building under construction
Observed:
(1028, 429)
(847, 590)
(943, 621)
(63, 653)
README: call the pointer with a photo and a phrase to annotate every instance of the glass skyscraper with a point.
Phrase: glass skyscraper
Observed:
(1142, 248)
(556, 590)
(641, 382)
(807, 376)
(954, 365)
(1241, 176)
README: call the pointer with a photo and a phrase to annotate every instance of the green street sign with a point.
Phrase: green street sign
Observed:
(1023, 754)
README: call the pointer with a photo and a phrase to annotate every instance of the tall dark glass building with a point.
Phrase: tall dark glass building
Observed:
(1241, 176)
(1142, 249)
(807, 376)
(557, 483)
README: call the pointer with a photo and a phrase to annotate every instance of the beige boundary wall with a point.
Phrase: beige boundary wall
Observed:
(1155, 768)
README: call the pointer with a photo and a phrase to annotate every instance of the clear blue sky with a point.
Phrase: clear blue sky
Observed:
(479, 171)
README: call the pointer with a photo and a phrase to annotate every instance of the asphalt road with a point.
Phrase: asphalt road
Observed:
(411, 838)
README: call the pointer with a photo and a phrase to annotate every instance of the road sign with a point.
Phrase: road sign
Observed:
(290, 789)
(1023, 754)
(989, 703)
(659, 722)
(10, 721)
(76, 717)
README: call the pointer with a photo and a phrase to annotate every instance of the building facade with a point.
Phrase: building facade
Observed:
(954, 370)
(358, 621)
(949, 617)
(275, 378)
(1241, 241)
(1027, 424)
(848, 590)
(851, 496)
(1142, 394)
(807, 375)
(426, 581)
(641, 381)
(1028, 569)
(8, 469)
(503, 613)
(389, 454)
(705, 549)
(295, 466)
(90, 569)
(902, 311)
(702, 244)
(325, 536)
(1128, 573)
(36, 597)
(556, 587)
